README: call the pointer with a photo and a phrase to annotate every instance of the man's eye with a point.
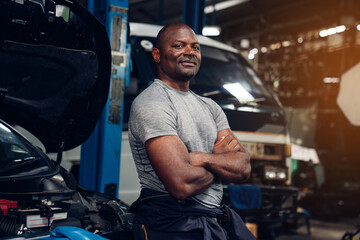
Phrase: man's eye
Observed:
(178, 46)
(197, 48)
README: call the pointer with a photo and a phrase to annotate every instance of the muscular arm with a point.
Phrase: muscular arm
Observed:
(229, 160)
(171, 162)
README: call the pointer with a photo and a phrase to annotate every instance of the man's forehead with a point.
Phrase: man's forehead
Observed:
(180, 33)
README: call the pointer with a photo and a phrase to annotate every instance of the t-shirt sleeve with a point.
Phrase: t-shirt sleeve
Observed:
(152, 119)
(219, 116)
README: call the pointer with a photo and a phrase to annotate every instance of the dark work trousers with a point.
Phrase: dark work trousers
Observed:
(160, 216)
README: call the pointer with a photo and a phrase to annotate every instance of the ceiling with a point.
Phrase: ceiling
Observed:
(265, 21)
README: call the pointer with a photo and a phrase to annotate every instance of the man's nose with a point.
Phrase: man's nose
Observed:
(189, 50)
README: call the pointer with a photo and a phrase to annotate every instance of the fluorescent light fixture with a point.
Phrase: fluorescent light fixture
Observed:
(332, 31)
(238, 91)
(331, 80)
(211, 31)
(340, 29)
(223, 5)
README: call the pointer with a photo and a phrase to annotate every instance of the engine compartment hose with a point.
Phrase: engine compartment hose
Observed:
(8, 226)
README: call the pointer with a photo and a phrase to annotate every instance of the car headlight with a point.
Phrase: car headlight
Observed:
(275, 173)
(281, 175)
(270, 174)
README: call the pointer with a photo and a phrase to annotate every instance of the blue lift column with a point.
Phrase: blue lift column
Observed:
(193, 14)
(100, 154)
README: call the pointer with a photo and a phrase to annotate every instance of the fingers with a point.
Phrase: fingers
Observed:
(226, 139)
(233, 145)
(222, 139)
(237, 148)
(226, 144)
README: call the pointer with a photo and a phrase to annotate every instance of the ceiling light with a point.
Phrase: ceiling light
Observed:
(223, 5)
(286, 43)
(245, 43)
(275, 46)
(251, 56)
(332, 31)
(211, 31)
(358, 27)
(331, 80)
(254, 51)
(264, 49)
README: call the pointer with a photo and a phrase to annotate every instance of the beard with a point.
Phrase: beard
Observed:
(185, 75)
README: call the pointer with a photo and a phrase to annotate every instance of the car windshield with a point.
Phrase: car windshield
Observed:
(18, 158)
(224, 76)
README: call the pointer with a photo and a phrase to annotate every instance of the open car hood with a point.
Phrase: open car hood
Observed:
(55, 62)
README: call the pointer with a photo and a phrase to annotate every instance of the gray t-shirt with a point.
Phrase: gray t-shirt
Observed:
(161, 110)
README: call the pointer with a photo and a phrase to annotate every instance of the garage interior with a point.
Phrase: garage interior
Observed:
(303, 50)
(300, 49)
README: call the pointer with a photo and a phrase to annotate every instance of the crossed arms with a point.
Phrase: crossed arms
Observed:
(186, 174)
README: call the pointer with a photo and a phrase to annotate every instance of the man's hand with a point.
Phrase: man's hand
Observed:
(226, 144)
(229, 160)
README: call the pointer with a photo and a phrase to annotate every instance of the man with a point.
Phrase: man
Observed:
(183, 148)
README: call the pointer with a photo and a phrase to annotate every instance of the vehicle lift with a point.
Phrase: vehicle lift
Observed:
(100, 154)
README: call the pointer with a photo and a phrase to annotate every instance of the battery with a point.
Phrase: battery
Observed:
(7, 204)
(37, 218)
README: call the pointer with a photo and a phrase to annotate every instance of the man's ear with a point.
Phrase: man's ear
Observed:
(156, 55)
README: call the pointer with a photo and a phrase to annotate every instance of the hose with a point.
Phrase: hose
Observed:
(8, 226)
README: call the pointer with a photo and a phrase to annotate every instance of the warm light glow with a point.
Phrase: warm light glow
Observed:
(275, 46)
(300, 40)
(211, 31)
(358, 27)
(238, 91)
(332, 31)
(263, 50)
(254, 51)
(245, 43)
(331, 80)
(286, 43)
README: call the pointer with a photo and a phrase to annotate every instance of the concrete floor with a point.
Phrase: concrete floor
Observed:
(322, 230)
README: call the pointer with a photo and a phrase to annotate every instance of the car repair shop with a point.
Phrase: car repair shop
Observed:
(284, 72)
